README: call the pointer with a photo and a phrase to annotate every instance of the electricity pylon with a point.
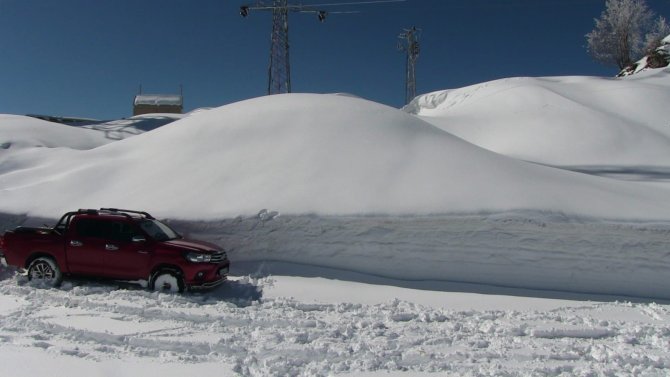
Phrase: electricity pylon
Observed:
(279, 71)
(409, 43)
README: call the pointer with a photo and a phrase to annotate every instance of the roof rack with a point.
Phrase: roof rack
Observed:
(121, 211)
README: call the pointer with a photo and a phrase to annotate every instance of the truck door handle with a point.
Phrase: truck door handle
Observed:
(76, 243)
(111, 247)
(142, 252)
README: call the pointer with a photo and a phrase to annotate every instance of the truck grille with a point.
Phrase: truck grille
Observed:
(219, 257)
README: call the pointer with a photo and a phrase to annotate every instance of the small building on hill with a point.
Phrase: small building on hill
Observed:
(158, 103)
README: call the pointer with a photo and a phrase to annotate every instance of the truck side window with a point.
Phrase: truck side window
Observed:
(90, 228)
(104, 229)
(121, 231)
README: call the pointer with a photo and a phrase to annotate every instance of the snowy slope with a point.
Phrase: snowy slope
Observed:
(22, 132)
(135, 125)
(561, 120)
(304, 153)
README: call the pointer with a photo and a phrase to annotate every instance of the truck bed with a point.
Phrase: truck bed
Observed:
(24, 241)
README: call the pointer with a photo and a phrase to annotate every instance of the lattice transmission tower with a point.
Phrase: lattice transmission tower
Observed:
(279, 71)
(409, 43)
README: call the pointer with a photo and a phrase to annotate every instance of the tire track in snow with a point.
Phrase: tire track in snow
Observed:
(283, 336)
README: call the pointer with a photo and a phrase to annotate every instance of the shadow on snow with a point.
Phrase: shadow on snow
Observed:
(269, 268)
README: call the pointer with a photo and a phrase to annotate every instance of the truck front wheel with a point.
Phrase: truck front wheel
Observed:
(46, 271)
(167, 281)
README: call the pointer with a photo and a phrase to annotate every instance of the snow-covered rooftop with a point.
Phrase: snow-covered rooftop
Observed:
(159, 99)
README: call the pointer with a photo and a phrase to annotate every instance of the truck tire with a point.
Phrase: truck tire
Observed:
(46, 271)
(167, 281)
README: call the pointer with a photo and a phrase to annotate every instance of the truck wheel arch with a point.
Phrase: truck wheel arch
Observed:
(166, 267)
(160, 271)
(38, 254)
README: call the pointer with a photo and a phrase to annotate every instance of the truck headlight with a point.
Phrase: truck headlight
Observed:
(198, 258)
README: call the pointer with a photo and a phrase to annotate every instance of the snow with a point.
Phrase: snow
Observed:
(560, 121)
(135, 125)
(22, 132)
(233, 331)
(272, 152)
(516, 227)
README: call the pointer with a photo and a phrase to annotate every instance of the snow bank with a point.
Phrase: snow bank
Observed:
(530, 250)
(560, 120)
(21, 132)
(303, 153)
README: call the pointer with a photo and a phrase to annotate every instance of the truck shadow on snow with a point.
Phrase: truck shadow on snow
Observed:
(240, 293)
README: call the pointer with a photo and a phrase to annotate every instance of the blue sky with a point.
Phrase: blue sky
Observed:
(88, 58)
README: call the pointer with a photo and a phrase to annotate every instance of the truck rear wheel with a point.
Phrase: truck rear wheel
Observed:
(46, 271)
(167, 281)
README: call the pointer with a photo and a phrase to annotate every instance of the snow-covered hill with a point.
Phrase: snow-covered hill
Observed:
(564, 121)
(306, 153)
(21, 132)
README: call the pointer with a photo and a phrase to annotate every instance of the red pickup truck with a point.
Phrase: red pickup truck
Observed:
(116, 244)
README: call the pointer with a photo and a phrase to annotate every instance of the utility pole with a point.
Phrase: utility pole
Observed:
(409, 43)
(279, 71)
(280, 65)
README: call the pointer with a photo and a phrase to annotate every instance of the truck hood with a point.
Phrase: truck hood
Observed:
(196, 246)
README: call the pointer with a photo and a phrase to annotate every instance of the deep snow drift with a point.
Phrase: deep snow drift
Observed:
(561, 120)
(301, 153)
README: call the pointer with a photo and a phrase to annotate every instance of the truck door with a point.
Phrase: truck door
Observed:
(85, 246)
(125, 259)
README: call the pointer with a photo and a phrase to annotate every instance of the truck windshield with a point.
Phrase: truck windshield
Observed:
(158, 231)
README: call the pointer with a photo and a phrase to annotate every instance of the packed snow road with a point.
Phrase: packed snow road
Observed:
(250, 328)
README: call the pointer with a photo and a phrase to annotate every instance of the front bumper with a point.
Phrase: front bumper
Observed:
(208, 285)
(207, 277)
